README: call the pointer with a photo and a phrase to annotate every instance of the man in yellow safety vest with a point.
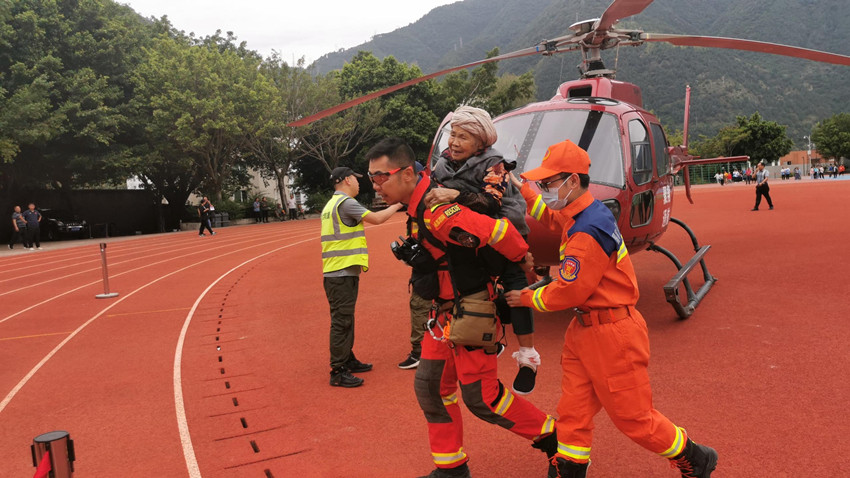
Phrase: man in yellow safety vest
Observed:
(344, 256)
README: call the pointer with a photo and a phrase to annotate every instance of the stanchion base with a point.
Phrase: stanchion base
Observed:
(107, 296)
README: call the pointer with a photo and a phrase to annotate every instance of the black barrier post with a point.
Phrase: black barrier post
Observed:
(61, 453)
(106, 294)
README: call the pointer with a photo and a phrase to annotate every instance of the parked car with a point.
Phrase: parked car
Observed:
(61, 224)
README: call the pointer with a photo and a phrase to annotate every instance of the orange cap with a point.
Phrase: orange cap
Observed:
(564, 157)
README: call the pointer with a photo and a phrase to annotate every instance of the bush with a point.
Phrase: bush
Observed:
(234, 209)
(316, 202)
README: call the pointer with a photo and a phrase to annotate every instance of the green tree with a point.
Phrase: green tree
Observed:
(750, 136)
(832, 136)
(410, 114)
(765, 140)
(204, 97)
(482, 88)
(274, 146)
(64, 88)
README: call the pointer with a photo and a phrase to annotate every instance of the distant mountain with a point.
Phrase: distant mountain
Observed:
(725, 83)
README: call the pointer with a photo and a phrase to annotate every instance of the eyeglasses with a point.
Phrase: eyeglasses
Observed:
(544, 185)
(381, 177)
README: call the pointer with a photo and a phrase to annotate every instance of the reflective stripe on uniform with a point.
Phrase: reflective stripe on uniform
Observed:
(547, 428)
(678, 444)
(448, 458)
(537, 300)
(538, 208)
(499, 231)
(342, 236)
(505, 403)
(450, 399)
(622, 251)
(580, 454)
(345, 252)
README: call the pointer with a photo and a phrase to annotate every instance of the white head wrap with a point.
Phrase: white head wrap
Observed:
(477, 122)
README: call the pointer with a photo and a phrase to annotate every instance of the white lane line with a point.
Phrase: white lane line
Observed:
(182, 423)
(73, 334)
(127, 272)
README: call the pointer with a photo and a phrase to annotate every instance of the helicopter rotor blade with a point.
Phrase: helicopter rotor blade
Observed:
(544, 47)
(618, 10)
(747, 45)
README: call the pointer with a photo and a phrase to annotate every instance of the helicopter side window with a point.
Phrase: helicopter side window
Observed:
(659, 143)
(641, 154)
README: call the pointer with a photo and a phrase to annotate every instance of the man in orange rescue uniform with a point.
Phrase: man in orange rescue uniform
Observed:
(475, 245)
(606, 347)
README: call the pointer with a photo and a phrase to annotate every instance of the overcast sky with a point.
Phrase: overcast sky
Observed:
(308, 28)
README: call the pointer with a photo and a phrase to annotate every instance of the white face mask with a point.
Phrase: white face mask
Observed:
(551, 197)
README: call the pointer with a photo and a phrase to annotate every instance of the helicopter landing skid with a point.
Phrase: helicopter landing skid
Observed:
(671, 289)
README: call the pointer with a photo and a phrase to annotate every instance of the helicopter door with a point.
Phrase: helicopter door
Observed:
(664, 183)
(643, 199)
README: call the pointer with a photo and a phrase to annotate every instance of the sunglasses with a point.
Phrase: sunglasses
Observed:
(544, 185)
(381, 177)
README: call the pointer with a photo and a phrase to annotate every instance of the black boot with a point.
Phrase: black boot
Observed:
(563, 468)
(355, 366)
(341, 377)
(461, 471)
(548, 444)
(697, 461)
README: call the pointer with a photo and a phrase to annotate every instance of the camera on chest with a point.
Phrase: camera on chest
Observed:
(413, 253)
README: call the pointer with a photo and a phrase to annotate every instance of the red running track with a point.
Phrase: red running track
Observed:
(232, 330)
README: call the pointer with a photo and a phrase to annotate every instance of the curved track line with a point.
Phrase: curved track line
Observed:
(67, 339)
(127, 255)
(118, 275)
(182, 423)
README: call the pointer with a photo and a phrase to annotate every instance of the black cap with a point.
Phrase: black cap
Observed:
(338, 174)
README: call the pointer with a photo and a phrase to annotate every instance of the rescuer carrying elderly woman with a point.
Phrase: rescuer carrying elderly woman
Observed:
(474, 174)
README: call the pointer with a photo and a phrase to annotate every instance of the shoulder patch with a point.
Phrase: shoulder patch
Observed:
(439, 220)
(454, 209)
(569, 269)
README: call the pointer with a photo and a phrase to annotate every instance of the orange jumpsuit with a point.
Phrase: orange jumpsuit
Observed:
(441, 367)
(606, 347)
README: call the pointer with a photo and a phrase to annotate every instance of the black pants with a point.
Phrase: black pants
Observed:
(293, 214)
(21, 235)
(33, 236)
(342, 298)
(205, 224)
(763, 190)
(521, 318)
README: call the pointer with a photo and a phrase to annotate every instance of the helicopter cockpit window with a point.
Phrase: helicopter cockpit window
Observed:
(641, 154)
(659, 143)
(526, 138)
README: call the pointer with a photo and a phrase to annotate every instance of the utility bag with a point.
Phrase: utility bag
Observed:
(474, 321)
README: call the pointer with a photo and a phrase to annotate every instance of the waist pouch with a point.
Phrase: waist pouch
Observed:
(425, 284)
(475, 322)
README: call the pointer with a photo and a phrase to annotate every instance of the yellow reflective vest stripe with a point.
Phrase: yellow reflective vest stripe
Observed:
(342, 246)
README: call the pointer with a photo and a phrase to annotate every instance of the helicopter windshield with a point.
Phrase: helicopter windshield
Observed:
(526, 137)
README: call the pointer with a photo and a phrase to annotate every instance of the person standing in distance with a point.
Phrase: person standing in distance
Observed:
(606, 348)
(344, 256)
(762, 188)
(33, 219)
(290, 206)
(19, 229)
(204, 211)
